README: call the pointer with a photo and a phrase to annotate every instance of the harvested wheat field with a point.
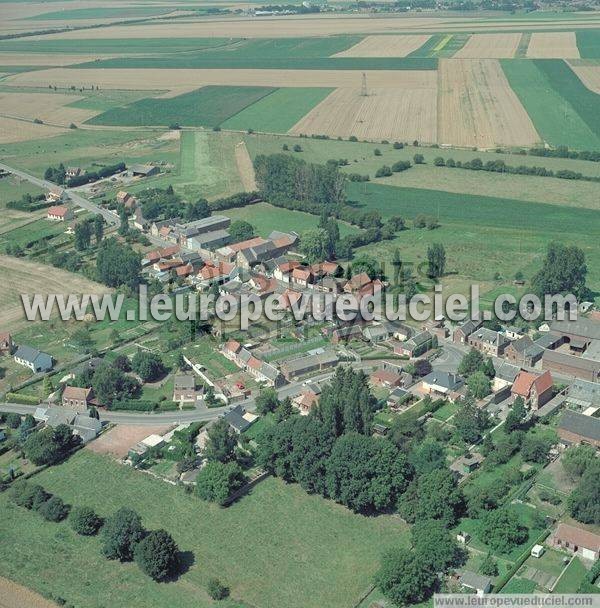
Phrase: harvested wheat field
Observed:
(245, 167)
(478, 108)
(56, 59)
(589, 74)
(490, 46)
(385, 46)
(13, 595)
(553, 45)
(13, 130)
(385, 113)
(19, 276)
(186, 79)
(48, 107)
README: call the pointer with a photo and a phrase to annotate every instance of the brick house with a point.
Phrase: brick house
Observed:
(488, 342)
(59, 213)
(534, 389)
(575, 428)
(462, 332)
(577, 541)
(76, 398)
(524, 351)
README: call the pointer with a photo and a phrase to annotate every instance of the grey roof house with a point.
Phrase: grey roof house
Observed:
(36, 360)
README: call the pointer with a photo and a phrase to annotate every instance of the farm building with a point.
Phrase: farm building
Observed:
(59, 213)
(570, 365)
(295, 368)
(524, 351)
(577, 333)
(583, 394)
(416, 346)
(534, 389)
(488, 342)
(576, 540)
(462, 333)
(36, 360)
(142, 170)
(578, 428)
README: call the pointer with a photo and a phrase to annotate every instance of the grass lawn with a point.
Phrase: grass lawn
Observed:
(207, 106)
(204, 351)
(277, 546)
(266, 218)
(279, 111)
(519, 585)
(543, 89)
(571, 579)
(446, 411)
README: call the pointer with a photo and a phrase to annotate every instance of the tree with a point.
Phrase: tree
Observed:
(28, 423)
(428, 456)
(124, 222)
(365, 473)
(221, 442)
(49, 446)
(433, 495)
(82, 338)
(216, 590)
(54, 509)
(563, 271)
(313, 244)
(98, 225)
(284, 410)
(418, 159)
(84, 521)
(111, 384)
(366, 263)
(121, 362)
(584, 501)
(217, 481)
(121, 532)
(471, 362)
(156, 554)
(83, 235)
(432, 540)
(535, 448)
(488, 368)
(489, 566)
(479, 385)
(196, 211)
(266, 401)
(117, 264)
(404, 577)
(502, 530)
(241, 231)
(149, 366)
(47, 387)
(516, 416)
(27, 495)
(436, 259)
(13, 420)
(470, 421)
(577, 459)
(397, 265)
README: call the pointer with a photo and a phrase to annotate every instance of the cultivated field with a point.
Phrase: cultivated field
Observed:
(385, 46)
(13, 130)
(277, 546)
(16, 596)
(19, 276)
(245, 167)
(48, 107)
(477, 107)
(588, 73)
(489, 46)
(549, 45)
(385, 113)
(37, 59)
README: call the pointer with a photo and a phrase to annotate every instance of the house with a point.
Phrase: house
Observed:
(570, 365)
(184, 389)
(302, 277)
(6, 344)
(301, 366)
(386, 378)
(488, 342)
(442, 384)
(524, 351)
(239, 419)
(416, 346)
(308, 397)
(77, 398)
(86, 427)
(513, 333)
(346, 334)
(578, 428)
(139, 221)
(59, 213)
(56, 195)
(36, 360)
(243, 358)
(380, 430)
(357, 282)
(142, 170)
(72, 172)
(436, 327)
(398, 330)
(127, 200)
(376, 333)
(505, 375)
(534, 389)
(397, 397)
(468, 463)
(283, 271)
(577, 541)
(476, 582)
(462, 332)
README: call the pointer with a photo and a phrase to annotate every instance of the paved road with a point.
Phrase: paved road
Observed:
(109, 216)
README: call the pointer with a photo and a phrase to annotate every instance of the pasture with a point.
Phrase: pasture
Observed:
(277, 546)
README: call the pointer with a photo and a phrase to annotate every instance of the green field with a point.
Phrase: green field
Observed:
(110, 98)
(208, 106)
(441, 45)
(279, 111)
(519, 585)
(541, 87)
(588, 43)
(266, 218)
(277, 546)
(571, 579)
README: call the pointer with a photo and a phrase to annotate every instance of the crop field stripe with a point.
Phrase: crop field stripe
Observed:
(442, 43)
(279, 111)
(554, 117)
(567, 84)
(207, 106)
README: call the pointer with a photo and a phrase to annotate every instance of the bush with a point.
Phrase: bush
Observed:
(30, 496)
(384, 171)
(24, 399)
(216, 589)
(54, 509)
(297, 148)
(13, 420)
(398, 146)
(122, 531)
(401, 165)
(419, 159)
(84, 521)
(133, 405)
(377, 152)
(156, 554)
(439, 162)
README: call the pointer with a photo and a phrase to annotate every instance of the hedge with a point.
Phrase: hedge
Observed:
(139, 405)
(23, 399)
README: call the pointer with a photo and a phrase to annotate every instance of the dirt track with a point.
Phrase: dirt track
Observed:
(245, 167)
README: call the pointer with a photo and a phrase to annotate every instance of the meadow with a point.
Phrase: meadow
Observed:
(540, 88)
(279, 111)
(207, 106)
(588, 43)
(277, 546)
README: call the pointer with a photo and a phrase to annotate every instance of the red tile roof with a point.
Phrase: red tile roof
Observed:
(384, 375)
(525, 381)
(58, 211)
(74, 392)
(303, 274)
(577, 536)
(254, 363)
(233, 346)
(184, 271)
(289, 266)
(257, 240)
